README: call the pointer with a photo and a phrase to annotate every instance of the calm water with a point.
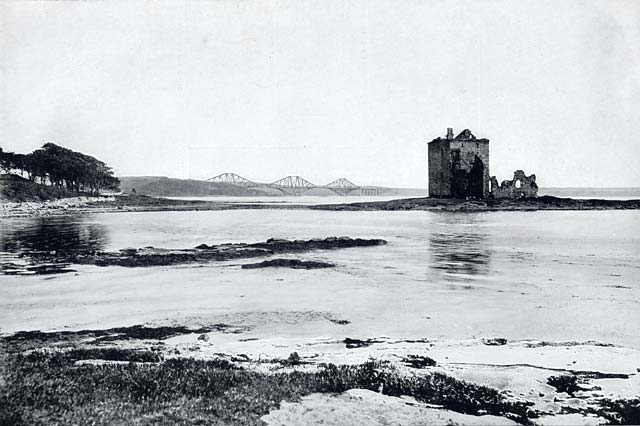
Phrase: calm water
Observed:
(600, 193)
(562, 276)
(301, 199)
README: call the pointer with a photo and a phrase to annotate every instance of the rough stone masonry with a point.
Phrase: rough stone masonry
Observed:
(459, 168)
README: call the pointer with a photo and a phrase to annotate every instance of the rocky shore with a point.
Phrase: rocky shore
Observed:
(121, 204)
(56, 262)
(54, 207)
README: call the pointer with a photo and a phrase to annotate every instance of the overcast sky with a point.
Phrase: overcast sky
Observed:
(325, 89)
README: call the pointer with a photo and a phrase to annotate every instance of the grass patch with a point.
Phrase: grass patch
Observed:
(46, 388)
(105, 354)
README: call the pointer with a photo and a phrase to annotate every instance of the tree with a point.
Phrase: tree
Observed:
(61, 166)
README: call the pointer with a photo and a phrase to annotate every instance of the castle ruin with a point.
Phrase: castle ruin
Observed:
(459, 168)
(521, 186)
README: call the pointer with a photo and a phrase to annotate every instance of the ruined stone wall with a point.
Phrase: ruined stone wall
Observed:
(439, 169)
(471, 176)
(521, 186)
(459, 166)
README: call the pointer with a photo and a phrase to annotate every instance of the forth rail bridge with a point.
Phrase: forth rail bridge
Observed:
(290, 185)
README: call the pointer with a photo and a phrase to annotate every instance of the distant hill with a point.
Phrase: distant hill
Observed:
(162, 186)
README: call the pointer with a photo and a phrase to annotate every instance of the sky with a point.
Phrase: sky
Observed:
(326, 89)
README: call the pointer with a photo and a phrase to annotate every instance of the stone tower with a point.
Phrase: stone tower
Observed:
(459, 166)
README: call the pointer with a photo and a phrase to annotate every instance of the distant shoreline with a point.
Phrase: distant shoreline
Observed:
(141, 203)
(457, 205)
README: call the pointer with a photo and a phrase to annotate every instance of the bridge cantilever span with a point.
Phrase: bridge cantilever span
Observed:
(342, 186)
(233, 179)
(290, 185)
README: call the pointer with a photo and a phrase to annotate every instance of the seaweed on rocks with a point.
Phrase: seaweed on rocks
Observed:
(8, 268)
(357, 343)
(289, 263)
(136, 332)
(149, 256)
(495, 341)
(419, 361)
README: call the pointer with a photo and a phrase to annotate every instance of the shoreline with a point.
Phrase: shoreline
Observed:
(141, 203)
(545, 202)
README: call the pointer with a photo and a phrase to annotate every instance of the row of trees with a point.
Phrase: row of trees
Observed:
(55, 165)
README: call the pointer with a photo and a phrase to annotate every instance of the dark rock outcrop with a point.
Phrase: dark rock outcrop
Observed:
(150, 256)
(358, 343)
(419, 361)
(289, 263)
(495, 341)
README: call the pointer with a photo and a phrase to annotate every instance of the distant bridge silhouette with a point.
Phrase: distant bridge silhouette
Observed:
(290, 185)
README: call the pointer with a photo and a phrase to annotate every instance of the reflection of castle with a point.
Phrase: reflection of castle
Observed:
(459, 168)
(460, 253)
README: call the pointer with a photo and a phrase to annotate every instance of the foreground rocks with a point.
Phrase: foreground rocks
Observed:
(289, 263)
(150, 256)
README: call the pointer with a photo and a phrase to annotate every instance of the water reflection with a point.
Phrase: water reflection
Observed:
(61, 234)
(461, 249)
